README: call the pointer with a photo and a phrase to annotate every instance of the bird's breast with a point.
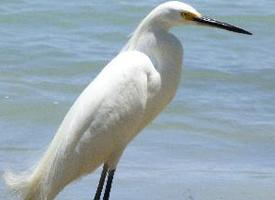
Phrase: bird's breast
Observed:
(166, 55)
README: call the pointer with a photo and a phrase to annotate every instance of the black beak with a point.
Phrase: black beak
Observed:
(218, 24)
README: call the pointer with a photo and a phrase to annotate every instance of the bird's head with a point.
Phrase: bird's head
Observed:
(174, 13)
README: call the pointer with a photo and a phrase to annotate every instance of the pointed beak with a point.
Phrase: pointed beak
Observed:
(218, 24)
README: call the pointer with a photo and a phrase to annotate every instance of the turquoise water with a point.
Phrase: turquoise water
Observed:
(216, 140)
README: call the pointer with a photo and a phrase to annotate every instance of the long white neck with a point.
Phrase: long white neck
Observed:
(151, 23)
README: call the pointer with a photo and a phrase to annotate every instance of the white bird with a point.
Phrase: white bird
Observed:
(125, 96)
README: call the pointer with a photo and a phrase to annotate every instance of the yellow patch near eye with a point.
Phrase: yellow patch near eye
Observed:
(189, 16)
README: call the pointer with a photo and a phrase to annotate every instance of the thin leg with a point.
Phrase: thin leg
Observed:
(101, 182)
(109, 184)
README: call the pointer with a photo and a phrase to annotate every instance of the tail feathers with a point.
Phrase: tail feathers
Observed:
(21, 185)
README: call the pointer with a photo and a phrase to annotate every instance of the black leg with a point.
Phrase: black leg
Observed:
(109, 184)
(101, 182)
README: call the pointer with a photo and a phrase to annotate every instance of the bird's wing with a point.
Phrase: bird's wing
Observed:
(100, 122)
(114, 101)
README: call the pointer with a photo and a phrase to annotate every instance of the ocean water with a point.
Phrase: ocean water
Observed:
(215, 141)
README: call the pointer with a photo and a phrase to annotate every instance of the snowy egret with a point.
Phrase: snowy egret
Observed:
(126, 95)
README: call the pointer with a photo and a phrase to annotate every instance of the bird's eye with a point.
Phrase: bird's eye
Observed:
(183, 14)
(188, 15)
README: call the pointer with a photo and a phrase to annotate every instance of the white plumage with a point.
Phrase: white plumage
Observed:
(127, 94)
